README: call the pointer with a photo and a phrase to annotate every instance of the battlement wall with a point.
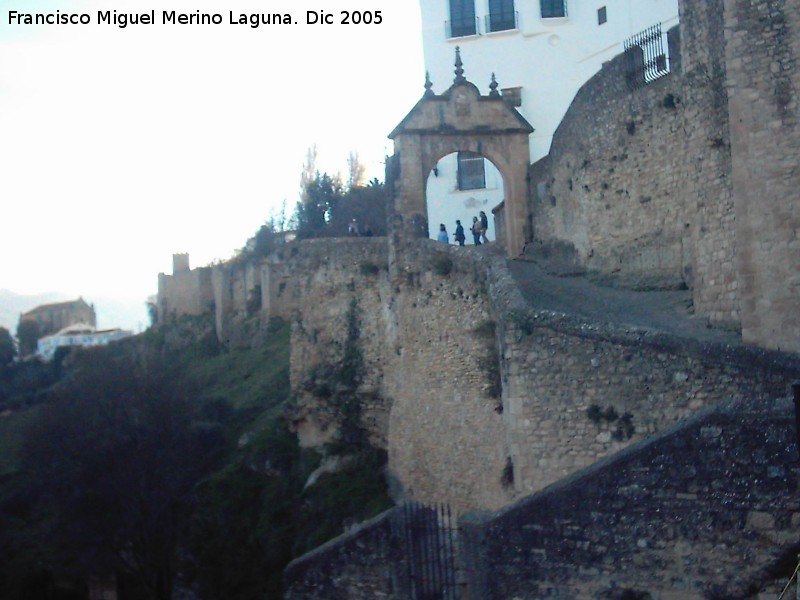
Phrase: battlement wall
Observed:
(184, 293)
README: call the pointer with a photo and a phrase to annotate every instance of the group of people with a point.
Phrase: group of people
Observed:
(480, 225)
(354, 231)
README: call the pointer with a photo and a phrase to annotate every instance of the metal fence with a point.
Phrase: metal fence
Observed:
(645, 58)
(429, 537)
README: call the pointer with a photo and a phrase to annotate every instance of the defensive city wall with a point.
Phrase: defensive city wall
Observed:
(478, 396)
(482, 399)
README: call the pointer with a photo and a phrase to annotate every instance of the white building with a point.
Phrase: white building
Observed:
(542, 52)
(79, 334)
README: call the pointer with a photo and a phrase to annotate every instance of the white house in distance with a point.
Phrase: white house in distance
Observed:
(541, 52)
(79, 334)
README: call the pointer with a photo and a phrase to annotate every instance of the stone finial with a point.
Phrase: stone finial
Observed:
(428, 85)
(459, 68)
(493, 88)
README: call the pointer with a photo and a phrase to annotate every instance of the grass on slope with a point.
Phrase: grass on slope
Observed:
(253, 382)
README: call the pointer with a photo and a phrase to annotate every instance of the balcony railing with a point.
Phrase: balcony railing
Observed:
(502, 21)
(461, 27)
(645, 58)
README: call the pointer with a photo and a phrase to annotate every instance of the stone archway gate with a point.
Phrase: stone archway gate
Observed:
(460, 119)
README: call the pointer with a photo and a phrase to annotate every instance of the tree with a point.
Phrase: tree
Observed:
(7, 350)
(317, 205)
(278, 220)
(355, 172)
(27, 336)
(152, 309)
(309, 172)
(365, 204)
(116, 456)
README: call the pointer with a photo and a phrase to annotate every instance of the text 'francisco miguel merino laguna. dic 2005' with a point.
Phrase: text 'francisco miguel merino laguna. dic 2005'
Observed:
(171, 17)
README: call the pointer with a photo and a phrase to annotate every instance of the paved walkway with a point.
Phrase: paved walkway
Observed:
(662, 311)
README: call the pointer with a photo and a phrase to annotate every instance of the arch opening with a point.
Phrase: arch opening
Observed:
(460, 186)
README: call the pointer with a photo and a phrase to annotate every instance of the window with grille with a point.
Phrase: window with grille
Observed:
(471, 171)
(462, 18)
(553, 8)
(501, 15)
(645, 57)
(602, 15)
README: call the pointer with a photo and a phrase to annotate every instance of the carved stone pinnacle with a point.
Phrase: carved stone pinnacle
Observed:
(459, 68)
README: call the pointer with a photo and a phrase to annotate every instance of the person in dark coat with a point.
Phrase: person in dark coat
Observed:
(459, 234)
(484, 226)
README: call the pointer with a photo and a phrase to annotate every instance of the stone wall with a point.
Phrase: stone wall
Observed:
(185, 293)
(706, 510)
(319, 285)
(637, 183)
(430, 391)
(763, 45)
(708, 186)
(614, 184)
(577, 392)
(478, 397)
(238, 303)
(447, 440)
(365, 563)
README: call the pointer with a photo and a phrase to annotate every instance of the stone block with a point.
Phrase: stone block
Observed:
(760, 520)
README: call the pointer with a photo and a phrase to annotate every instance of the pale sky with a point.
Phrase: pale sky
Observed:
(119, 147)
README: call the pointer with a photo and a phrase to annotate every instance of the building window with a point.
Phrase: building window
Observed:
(471, 171)
(462, 18)
(602, 16)
(502, 16)
(553, 8)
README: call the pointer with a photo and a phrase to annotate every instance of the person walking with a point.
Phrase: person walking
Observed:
(476, 231)
(459, 234)
(443, 237)
(484, 226)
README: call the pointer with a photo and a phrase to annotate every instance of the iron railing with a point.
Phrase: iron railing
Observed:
(429, 537)
(645, 58)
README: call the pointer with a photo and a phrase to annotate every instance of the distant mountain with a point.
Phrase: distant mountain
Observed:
(111, 312)
(12, 305)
